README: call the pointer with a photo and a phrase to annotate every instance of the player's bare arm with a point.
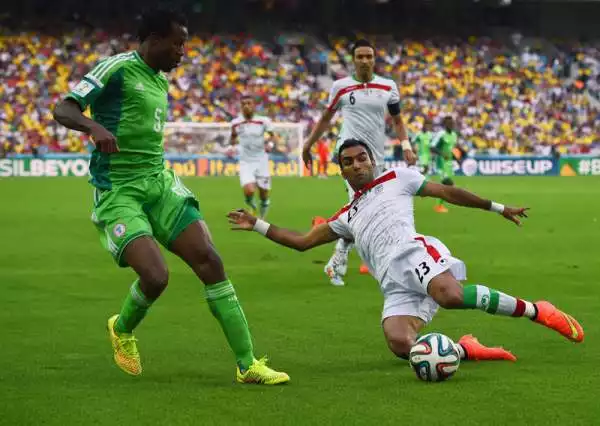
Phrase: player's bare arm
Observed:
(68, 113)
(461, 197)
(241, 220)
(233, 140)
(322, 125)
(409, 155)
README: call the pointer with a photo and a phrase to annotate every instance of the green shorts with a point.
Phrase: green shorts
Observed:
(445, 169)
(159, 206)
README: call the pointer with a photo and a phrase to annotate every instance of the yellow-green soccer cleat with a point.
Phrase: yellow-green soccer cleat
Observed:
(260, 374)
(125, 349)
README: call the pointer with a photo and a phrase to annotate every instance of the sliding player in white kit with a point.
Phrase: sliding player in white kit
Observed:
(416, 273)
(363, 100)
(249, 131)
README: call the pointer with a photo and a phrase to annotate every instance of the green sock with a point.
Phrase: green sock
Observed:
(224, 305)
(495, 302)
(250, 202)
(134, 309)
(264, 207)
(440, 202)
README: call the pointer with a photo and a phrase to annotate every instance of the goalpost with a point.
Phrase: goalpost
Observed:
(212, 140)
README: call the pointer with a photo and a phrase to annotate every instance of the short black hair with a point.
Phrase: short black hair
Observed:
(159, 22)
(362, 43)
(350, 143)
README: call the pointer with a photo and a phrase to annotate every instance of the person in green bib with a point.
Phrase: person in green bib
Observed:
(138, 203)
(422, 140)
(443, 147)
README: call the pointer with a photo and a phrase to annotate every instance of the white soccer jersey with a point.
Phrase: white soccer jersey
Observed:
(380, 219)
(251, 136)
(363, 107)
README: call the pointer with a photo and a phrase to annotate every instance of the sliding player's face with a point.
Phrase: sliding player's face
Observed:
(427, 126)
(364, 59)
(247, 106)
(169, 50)
(357, 167)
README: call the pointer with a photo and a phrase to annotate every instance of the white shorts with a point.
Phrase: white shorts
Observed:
(256, 172)
(378, 170)
(404, 285)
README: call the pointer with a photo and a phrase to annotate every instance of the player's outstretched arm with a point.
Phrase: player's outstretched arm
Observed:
(322, 125)
(461, 197)
(241, 220)
(409, 154)
(68, 113)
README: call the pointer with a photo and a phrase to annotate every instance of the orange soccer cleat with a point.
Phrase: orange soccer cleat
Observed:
(318, 220)
(475, 351)
(364, 269)
(565, 324)
(440, 209)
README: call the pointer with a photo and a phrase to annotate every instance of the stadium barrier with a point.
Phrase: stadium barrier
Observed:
(218, 165)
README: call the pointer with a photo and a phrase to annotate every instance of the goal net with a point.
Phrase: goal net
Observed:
(212, 140)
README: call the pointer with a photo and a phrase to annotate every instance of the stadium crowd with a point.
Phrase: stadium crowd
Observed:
(503, 102)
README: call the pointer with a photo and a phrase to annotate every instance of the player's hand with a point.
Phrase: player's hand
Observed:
(307, 156)
(104, 140)
(513, 214)
(241, 220)
(410, 157)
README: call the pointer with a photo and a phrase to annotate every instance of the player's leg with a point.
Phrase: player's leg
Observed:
(126, 233)
(323, 163)
(439, 274)
(263, 181)
(248, 182)
(337, 266)
(446, 175)
(179, 226)
(408, 308)
(194, 246)
(401, 333)
(450, 294)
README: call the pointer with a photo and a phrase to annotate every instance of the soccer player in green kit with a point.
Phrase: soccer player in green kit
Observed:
(423, 142)
(443, 146)
(138, 202)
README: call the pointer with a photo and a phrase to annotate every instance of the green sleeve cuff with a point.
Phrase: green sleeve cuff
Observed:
(421, 187)
(79, 101)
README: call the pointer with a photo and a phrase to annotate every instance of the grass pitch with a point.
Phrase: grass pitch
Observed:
(59, 287)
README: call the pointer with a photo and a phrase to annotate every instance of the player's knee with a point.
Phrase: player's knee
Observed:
(448, 295)
(208, 258)
(400, 344)
(155, 280)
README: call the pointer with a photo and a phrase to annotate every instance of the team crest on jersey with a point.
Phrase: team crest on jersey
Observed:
(119, 230)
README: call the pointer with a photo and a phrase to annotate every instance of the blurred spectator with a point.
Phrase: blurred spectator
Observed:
(504, 101)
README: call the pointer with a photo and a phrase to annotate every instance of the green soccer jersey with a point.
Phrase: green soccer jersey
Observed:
(423, 141)
(130, 100)
(444, 143)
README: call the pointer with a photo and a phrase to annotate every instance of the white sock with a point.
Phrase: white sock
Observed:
(342, 247)
(461, 351)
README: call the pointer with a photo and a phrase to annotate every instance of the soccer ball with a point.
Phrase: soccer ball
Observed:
(434, 357)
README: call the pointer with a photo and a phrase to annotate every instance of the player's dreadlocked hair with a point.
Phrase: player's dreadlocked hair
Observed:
(349, 143)
(159, 22)
(362, 43)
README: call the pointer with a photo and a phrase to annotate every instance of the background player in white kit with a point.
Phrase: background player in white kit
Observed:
(416, 274)
(363, 100)
(249, 131)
